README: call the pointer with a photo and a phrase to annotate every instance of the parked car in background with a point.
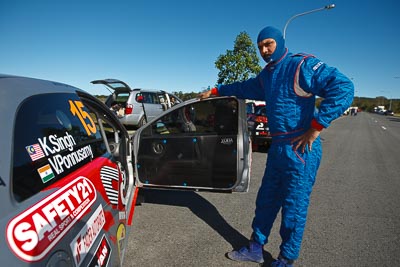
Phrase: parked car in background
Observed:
(258, 124)
(135, 107)
(70, 172)
(388, 112)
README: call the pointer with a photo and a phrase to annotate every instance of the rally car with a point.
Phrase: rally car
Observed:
(257, 122)
(70, 172)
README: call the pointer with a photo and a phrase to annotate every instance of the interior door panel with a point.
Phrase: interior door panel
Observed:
(196, 145)
(203, 161)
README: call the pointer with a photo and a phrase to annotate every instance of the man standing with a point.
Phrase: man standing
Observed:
(289, 84)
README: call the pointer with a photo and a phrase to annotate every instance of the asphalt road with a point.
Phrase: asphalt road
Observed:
(354, 216)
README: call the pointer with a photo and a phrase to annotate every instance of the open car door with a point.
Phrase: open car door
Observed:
(198, 145)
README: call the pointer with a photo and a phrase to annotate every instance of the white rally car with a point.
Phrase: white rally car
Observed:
(70, 172)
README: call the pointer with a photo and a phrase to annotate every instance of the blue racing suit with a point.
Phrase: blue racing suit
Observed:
(289, 87)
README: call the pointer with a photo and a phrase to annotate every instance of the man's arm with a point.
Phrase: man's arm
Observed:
(337, 91)
(329, 83)
(249, 89)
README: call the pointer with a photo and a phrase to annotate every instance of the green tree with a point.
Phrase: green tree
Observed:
(240, 63)
(185, 96)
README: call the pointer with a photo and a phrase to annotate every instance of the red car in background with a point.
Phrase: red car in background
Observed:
(257, 122)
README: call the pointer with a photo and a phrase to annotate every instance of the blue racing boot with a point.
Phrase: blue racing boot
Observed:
(254, 252)
(282, 262)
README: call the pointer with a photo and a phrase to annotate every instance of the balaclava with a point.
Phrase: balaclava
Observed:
(271, 32)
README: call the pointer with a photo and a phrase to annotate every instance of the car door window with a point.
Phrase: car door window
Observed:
(155, 98)
(204, 118)
(148, 98)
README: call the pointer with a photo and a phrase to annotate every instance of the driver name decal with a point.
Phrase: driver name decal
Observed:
(56, 144)
(52, 145)
(34, 232)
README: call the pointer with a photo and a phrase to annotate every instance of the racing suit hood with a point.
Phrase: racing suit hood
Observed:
(271, 32)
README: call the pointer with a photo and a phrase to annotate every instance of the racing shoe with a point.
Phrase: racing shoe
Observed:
(254, 252)
(282, 262)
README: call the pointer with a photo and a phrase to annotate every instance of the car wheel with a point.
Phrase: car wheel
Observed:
(142, 122)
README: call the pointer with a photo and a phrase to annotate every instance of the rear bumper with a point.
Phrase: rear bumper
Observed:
(131, 119)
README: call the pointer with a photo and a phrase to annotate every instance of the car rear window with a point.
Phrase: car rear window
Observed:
(54, 135)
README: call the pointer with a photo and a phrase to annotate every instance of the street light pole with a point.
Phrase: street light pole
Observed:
(305, 13)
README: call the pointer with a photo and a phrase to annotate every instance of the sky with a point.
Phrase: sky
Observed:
(173, 45)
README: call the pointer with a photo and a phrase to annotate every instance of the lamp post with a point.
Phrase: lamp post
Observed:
(305, 13)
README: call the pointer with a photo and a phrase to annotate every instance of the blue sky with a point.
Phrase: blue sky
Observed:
(172, 45)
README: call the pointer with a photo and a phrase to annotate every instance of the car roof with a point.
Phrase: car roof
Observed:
(13, 91)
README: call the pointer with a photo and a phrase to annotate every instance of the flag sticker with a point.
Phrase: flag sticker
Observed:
(46, 173)
(35, 152)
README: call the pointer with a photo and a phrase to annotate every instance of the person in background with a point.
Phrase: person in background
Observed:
(173, 101)
(289, 84)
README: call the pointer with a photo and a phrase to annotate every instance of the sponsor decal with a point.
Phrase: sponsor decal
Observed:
(110, 177)
(121, 233)
(34, 232)
(317, 66)
(46, 173)
(102, 255)
(115, 187)
(85, 239)
(122, 215)
(35, 152)
(124, 186)
(227, 141)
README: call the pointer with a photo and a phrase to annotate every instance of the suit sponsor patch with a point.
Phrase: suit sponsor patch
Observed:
(317, 65)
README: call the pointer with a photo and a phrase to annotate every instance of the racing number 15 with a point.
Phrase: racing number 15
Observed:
(76, 110)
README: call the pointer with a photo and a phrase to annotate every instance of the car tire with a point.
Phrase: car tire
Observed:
(142, 122)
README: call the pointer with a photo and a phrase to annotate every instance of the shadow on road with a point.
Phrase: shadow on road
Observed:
(261, 149)
(395, 119)
(204, 210)
(201, 207)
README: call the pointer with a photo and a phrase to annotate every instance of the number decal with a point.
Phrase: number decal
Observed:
(260, 127)
(76, 108)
